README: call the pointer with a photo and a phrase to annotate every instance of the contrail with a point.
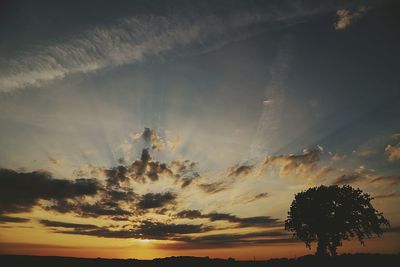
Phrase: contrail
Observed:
(267, 133)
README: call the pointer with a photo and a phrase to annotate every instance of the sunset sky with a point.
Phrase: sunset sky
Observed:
(145, 129)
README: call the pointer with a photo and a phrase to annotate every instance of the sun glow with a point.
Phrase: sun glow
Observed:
(145, 241)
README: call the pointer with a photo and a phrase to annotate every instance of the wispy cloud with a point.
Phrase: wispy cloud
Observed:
(134, 39)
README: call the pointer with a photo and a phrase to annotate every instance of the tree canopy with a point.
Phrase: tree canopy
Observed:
(330, 214)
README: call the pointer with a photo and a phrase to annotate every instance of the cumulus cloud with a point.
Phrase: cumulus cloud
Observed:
(141, 170)
(20, 191)
(346, 17)
(304, 163)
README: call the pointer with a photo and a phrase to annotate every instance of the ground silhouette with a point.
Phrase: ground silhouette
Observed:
(341, 260)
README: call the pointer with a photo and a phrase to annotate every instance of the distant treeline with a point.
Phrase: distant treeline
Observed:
(356, 260)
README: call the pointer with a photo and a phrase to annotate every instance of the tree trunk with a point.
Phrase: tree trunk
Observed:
(322, 249)
(332, 248)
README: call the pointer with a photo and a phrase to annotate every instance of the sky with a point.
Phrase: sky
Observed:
(147, 129)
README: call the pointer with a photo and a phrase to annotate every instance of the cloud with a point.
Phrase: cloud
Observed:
(184, 171)
(157, 230)
(8, 219)
(151, 140)
(396, 136)
(145, 230)
(386, 180)
(349, 178)
(256, 221)
(345, 17)
(231, 240)
(157, 200)
(393, 152)
(189, 214)
(67, 225)
(212, 188)
(148, 229)
(116, 176)
(135, 39)
(304, 166)
(259, 221)
(258, 196)
(241, 170)
(100, 208)
(20, 191)
(389, 195)
(141, 170)
(305, 163)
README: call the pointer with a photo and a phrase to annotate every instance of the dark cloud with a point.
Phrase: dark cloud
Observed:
(145, 230)
(349, 178)
(240, 170)
(100, 208)
(9, 219)
(186, 182)
(260, 221)
(156, 200)
(389, 195)
(189, 214)
(387, 180)
(116, 176)
(122, 194)
(231, 240)
(152, 140)
(148, 134)
(156, 230)
(101, 232)
(257, 221)
(67, 225)
(145, 169)
(184, 171)
(213, 188)
(258, 196)
(20, 191)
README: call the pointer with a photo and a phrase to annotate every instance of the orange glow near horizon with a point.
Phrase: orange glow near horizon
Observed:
(145, 249)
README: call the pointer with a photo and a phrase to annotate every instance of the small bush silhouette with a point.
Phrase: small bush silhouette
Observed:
(330, 214)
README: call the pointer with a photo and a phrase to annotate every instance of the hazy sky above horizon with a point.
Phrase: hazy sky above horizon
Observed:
(147, 129)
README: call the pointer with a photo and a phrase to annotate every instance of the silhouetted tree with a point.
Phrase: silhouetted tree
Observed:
(330, 214)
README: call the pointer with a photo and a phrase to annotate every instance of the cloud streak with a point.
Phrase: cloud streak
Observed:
(135, 39)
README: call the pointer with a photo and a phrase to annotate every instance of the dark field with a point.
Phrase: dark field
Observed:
(339, 261)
